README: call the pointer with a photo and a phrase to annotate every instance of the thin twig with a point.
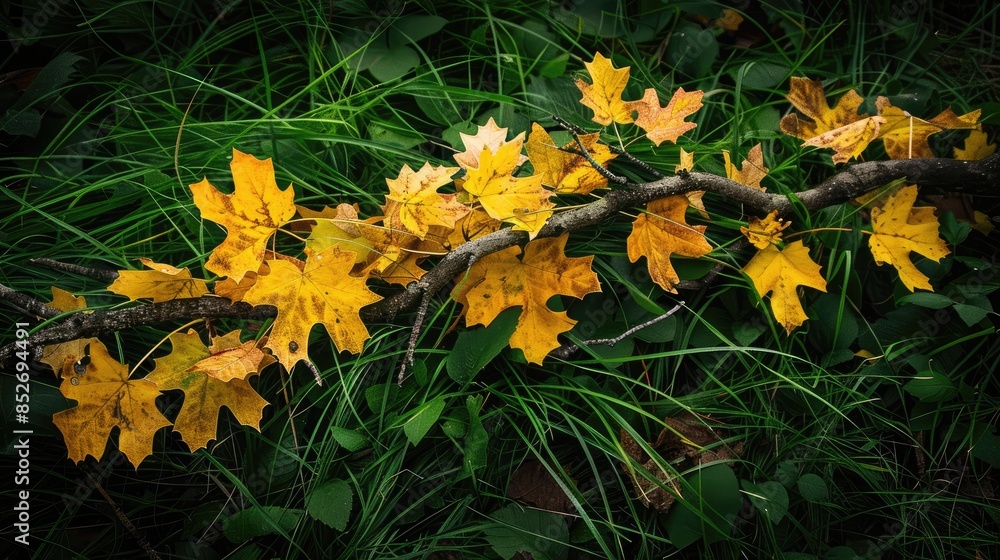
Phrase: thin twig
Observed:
(125, 520)
(101, 274)
(620, 179)
(567, 350)
(615, 149)
(425, 302)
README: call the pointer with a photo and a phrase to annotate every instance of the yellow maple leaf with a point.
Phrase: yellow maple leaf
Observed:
(338, 227)
(488, 137)
(233, 290)
(108, 399)
(56, 355)
(501, 280)
(395, 254)
(521, 201)
(162, 283)
(323, 292)
(900, 229)
(604, 96)
(781, 271)
(204, 395)
(751, 171)
(975, 147)
(230, 359)
(251, 214)
(413, 203)
(65, 301)
(906, 136)
(474, 225)
(840, 128)
(666, 123)
(563, 170)
(766, 231)
(662, 231)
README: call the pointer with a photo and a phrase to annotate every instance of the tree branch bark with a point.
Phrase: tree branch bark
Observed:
(973, 177)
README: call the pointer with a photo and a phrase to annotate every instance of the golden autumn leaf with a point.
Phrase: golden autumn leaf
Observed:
(65, 301)
(781, 271)
(847, 142)
(662, 231)
(204, 395)
(807, 96)
(474, 225)
(108, 399)
(906, 136)
(414, 205)
(395, 254)
(488, 137)
(233, 290)
(501, 280)
(338, 227)
(767, 231)
(695, 198)
(666, 123)
(521, 201)
(56, 355)
(840, 128)
(323, 292)
(251, 214)
(751, 171)
(162, 283)
(563, 170)
(900, 229)
(230, 359)
(604, 95)
(975, 147)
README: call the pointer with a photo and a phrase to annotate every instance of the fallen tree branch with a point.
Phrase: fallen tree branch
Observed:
(973, 177)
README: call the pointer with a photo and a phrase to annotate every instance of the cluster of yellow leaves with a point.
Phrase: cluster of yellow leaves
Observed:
(343, 252)
(898, 229)
(604, 96)
(848, 133)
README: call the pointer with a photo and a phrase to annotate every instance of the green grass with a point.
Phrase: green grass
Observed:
(868, 468)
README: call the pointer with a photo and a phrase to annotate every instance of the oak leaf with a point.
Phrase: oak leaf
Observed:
(501, 280)
(251, 214)
(604, 95)
(521, 201)
(751, 171)
(204, 394)
(108, 399)
(488, 137)
(414, 205)
(906, 136)
(840, 128)
(563, 169)
(323, 292)
(781, 271)
(900, 229)
(662, 231)
(666, 123)
(762, 232)
(163, 283)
